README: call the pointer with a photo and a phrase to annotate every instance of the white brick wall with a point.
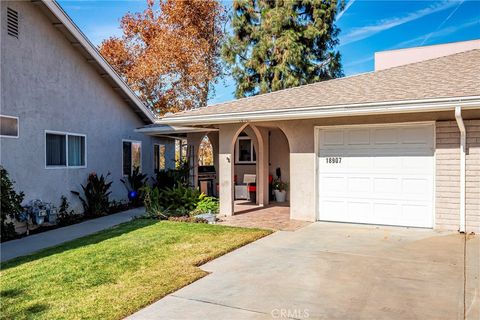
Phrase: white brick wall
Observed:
(448, 179)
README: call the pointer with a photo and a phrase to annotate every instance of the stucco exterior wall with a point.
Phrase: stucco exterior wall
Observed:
(50, 86)
(394, 58)
(448, 176)
(279, 156)
(301, 137)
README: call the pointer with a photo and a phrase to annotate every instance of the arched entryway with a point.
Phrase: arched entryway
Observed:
(260, 156)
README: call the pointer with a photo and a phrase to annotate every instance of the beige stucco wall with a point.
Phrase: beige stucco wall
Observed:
(302, 162)
(279, 155)
(301, 137)
(393, 58)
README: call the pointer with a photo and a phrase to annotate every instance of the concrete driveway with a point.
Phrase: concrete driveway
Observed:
(336, 271)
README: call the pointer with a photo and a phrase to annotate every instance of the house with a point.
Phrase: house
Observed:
(396, 146)
(64, 111)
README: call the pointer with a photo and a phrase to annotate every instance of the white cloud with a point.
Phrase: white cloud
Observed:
(385, 24)
(340, 14)
(444, 21)
(440, 33)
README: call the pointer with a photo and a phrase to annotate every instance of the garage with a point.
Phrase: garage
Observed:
(377, 174)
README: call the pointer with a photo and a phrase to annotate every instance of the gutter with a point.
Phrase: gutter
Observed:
(326, 111)
(463, 147)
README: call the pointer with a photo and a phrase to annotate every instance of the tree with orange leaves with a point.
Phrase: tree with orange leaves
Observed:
(170, 53)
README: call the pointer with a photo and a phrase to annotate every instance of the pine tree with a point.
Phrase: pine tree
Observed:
(282, 44)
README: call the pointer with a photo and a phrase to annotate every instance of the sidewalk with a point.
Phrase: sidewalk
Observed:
(33, 243)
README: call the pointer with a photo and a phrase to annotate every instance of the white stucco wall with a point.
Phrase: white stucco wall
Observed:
(50, 86)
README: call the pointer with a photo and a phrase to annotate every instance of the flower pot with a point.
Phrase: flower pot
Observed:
(280, 195)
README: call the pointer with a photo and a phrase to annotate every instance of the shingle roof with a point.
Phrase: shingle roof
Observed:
(456, 75)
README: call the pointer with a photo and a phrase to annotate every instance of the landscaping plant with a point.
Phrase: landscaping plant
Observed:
(180, 198)
(206, 205)
(96, 195)
(134, 182)
(11, 205)
(171, 178)
(66, 216)
(153, 206)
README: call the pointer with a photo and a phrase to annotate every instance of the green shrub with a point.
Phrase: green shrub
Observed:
(11, 205)
(153, 207)
(96, 195)
(172, 178)
(66, 216)
(170, 202)
(180, 198)
(206, 205)
(135, 182)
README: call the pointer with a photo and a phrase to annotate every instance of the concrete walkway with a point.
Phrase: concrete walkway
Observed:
(336, 271)
(30, 244)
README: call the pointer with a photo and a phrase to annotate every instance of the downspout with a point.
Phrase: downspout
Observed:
(463, 146)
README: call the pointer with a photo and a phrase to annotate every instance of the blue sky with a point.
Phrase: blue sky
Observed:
(367, 27)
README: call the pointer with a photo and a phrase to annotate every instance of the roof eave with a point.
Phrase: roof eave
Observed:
(408, 106)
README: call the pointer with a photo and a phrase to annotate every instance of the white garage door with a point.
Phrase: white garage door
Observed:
(377, 174)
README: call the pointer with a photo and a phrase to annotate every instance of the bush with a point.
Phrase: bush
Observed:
(65, 216)
(134, 183)
(96, 195)
(164, 179)
(170, 202)
(206, 205)
(172, 178)
(11, 205)
(180, 198)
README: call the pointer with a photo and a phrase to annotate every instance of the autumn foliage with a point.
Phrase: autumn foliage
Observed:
(170, 53)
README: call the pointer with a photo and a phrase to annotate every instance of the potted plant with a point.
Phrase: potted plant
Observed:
(280, 190)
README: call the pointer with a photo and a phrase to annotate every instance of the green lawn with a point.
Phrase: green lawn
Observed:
(116, 272)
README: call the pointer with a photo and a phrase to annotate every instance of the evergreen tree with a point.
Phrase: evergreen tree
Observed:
(280, 44)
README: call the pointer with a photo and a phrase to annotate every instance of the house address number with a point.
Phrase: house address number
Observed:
(333, 160)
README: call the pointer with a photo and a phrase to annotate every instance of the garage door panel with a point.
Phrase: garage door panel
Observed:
(386, 185)
(359, 137)
(379, 175)
(385, 136)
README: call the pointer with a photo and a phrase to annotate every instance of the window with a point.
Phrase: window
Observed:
(132, 156)
(244, 150)
(65, 150)
(9, 126)
(181, 148)
(159, 157)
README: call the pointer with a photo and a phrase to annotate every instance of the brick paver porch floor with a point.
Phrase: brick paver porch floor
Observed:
(275, 216)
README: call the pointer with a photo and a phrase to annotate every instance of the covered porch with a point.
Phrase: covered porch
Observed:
(244, 166)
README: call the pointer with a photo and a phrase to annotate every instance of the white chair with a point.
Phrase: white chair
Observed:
(241, 190)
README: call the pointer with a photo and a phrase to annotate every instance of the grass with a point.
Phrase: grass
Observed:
(116, 272)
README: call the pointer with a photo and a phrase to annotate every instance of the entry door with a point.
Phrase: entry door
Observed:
(377, 174)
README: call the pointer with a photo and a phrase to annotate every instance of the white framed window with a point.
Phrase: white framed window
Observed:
(65, 150)
(131, 156)
(245, 151)
(159, 157)
(8, 126)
